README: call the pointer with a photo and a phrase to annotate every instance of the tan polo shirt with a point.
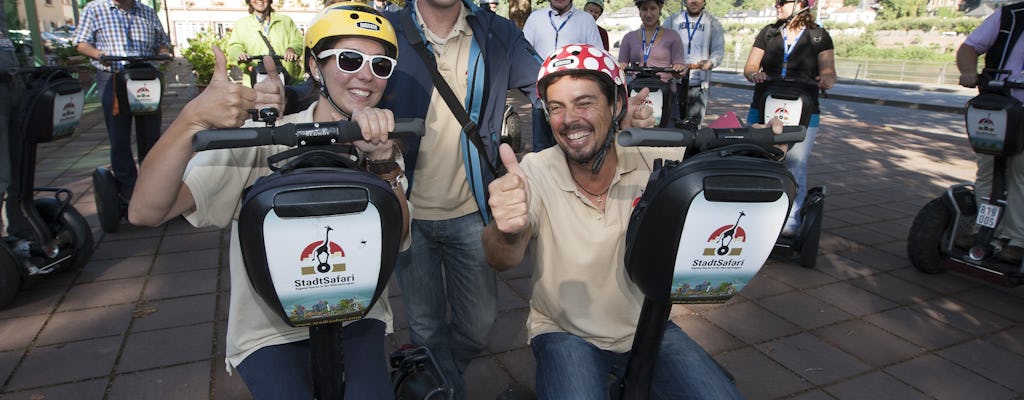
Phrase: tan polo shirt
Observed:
(580, 284)
(442, 190)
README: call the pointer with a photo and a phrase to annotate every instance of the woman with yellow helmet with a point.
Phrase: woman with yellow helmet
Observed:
(350, 53)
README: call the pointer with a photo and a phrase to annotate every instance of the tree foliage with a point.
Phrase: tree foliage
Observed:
(893, 9)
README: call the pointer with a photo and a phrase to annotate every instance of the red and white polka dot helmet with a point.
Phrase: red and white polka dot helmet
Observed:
(580, 59)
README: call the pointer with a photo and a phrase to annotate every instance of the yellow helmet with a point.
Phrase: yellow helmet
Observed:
(351, 19)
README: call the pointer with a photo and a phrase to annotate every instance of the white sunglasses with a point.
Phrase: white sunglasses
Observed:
(351, 61)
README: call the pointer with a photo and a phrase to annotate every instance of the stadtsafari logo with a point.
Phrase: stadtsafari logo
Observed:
(782, 114)
(69, 111)
(986, 124)
(323, 257)
(725, 241)
(143, 93)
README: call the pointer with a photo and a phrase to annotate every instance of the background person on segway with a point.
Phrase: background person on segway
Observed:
(350, 53)
(704, 41)
(792, 47)
(655, 47)
(122, 28)
(489, 5)
(986, 39)
(573, 203)
(595, 8)
(261, 27)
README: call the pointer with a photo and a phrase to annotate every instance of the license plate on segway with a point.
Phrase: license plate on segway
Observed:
(988, 215)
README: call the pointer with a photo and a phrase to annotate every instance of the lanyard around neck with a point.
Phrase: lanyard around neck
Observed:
(690, 32)
(643, 41)
(787, 48)
(551, 19)
(126, 18)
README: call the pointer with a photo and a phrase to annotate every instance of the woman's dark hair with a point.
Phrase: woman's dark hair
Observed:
(804, 18)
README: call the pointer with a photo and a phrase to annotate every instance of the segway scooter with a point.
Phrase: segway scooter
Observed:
(46, 234)
(258, 72)
(703, 227)
(995, 127)
(788, 100)
(139, 91)
(511, 133)
(320, 237)
(661, 97)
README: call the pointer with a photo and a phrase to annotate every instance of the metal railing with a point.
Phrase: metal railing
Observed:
(927, 72)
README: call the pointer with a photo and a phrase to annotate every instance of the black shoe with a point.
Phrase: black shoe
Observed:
(1010, 255)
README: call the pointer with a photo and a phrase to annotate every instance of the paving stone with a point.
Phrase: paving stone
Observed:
(948, 283)
(750, 323)
(963, 316)
(868, 343)
(86, 390)
(9, 360)
(181, 284)
(989, 361)
(508, 331)
(851, 299)
(713, 339)
(508, 299)
(803, 310)
(167, 347)
(917, 328)
(995, 301)
(485, 369)
(812, 359)
(103, 293)
(18, 333)
(116, 268)
(189, 381)
(1010, 339)
(759, 377)
(862, 235)
(841, 267)
(520, 365)
(763, 285)
(126, 248)
(67, 362)
(174, 312)
(795, 276)
(812, 395)
(894, 289)
(942, 379)
(875, 386)
(33, 302)
(186, 261)
(189, 242)
(86, 324)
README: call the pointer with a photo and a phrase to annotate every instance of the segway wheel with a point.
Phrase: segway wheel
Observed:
(925, 242)
(10, 275)
(108, 203)
(511, 131)
(810, 235)
(71, 228)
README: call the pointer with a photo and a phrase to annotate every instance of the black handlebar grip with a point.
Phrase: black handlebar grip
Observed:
(790, 134)
(231, 138)
(409, 127)
(654, 137)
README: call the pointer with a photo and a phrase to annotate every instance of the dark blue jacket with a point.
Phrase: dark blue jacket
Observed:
(508, 61)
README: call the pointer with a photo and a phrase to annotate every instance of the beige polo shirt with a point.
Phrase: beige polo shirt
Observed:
(580, 284)
(442, 190)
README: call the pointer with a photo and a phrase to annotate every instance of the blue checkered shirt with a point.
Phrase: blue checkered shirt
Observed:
(115, 32)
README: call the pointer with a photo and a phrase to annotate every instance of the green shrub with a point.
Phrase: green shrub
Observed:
(200, 54)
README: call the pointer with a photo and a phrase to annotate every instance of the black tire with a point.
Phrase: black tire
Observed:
(108, 203)
(927, 235)
(10, 276)
(512, 132)
(810, 235)
(72, 228)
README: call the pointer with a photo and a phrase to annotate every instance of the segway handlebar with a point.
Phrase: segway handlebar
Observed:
(157, 57)
(708, 137)
(996, 84)
(259, 57)
(305, 134)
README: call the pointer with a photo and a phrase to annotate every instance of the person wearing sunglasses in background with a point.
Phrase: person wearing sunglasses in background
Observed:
(793, 47)
(350, 52)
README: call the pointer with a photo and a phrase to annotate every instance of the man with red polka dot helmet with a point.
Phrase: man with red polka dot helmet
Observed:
(568, 207)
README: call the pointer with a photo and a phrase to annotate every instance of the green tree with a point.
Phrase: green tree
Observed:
(893, 9)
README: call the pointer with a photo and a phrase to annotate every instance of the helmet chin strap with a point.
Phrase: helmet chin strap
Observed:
(327, 95)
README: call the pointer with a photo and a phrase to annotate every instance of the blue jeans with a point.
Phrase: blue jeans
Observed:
(119, 133)
(282, 371)
(445, 272)
(796, 162)
(568, 367)
(696, 104)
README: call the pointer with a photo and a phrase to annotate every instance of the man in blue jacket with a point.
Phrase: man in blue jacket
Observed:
(481, 56)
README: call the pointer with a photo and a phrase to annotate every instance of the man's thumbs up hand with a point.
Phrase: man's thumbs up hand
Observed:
(510, 195)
